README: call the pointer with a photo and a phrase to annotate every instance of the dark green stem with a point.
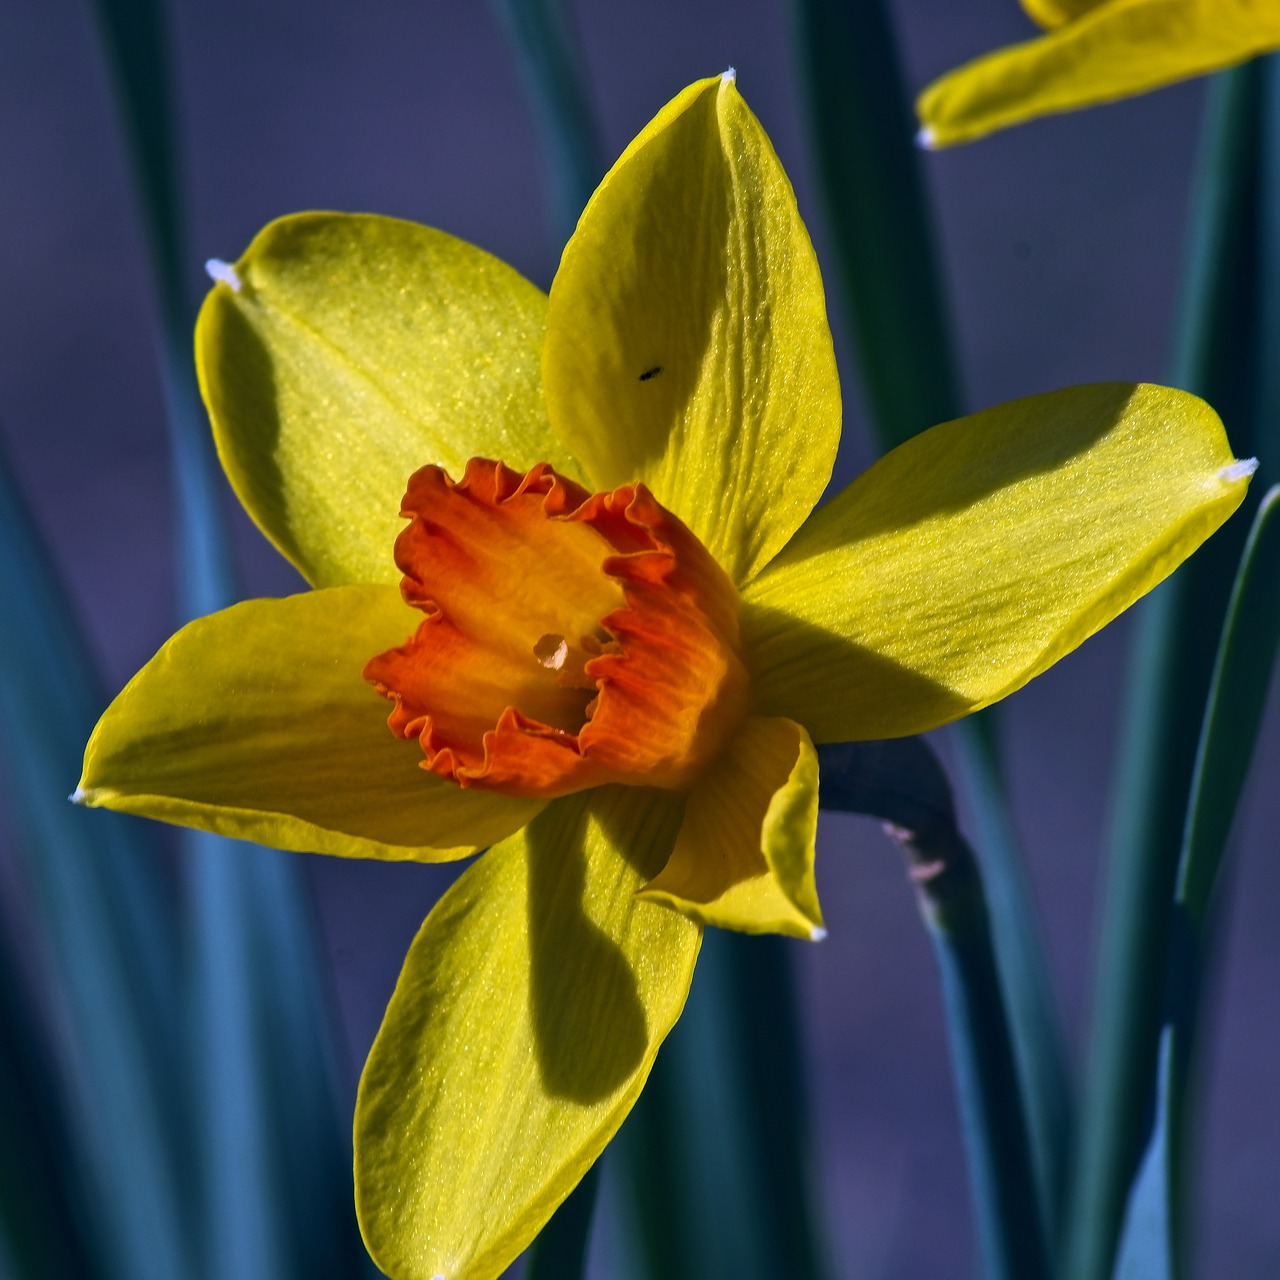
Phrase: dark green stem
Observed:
(901, 783)
(949, 888)
(1035, 1016)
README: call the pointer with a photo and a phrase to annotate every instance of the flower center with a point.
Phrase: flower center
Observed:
(570, 639)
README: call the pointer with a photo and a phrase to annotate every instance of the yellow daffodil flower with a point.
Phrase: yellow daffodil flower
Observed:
(626, 626)
(1094, 51)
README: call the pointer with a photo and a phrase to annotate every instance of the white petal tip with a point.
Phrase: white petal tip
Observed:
(224, 273)
(817, 933)
(729, 76)
(926, 139)
(78, 796)
(1239, 470)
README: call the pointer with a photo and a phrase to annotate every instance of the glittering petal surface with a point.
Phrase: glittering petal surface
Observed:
(523, 1026)
(744, 855)
(1113, 50)
(356, 349)
(255, 723)
(977, 554)
(687, 340)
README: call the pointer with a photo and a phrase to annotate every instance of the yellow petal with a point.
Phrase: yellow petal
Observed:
(744, 855)
(974, 556)
(343, 352)
(256, 723)
(522, 1029)
(687, 341)
(1053, 13)
(1115, 50)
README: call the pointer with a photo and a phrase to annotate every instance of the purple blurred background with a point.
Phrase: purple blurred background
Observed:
(1062, 242)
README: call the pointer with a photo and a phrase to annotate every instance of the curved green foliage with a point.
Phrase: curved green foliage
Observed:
(268, 1100)
(1222, 353)
(1155, 1221)
(102, 915)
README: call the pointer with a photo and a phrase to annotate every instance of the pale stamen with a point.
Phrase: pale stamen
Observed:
(551, 651)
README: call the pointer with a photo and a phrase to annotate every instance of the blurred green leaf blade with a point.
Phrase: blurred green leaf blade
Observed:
(863, 130)
(1155, 1221)
(716, 1155)
(545, 43)
(1221, 352)
(1148, 1249)
(43, 1219)
(105, 920)
(275, 1151)
(1233, 715)
(560, 1251)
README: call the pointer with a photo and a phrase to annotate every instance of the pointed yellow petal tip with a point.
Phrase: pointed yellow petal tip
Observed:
(81, 796)
(721, 437)
(223, 273)
(1241, 469)
(927, 138)
(817, 933)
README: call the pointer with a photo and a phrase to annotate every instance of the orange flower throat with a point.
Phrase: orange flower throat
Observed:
(570, 639)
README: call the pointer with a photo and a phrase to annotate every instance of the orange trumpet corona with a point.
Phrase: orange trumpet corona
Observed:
(571, 639)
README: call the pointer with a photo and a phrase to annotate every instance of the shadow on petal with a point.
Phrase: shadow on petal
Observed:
(239, 383)
(839, 690)
(590, 1026)
(639, 301)
(956, 465)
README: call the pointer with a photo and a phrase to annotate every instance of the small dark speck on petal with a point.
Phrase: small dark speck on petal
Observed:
(651, 373)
